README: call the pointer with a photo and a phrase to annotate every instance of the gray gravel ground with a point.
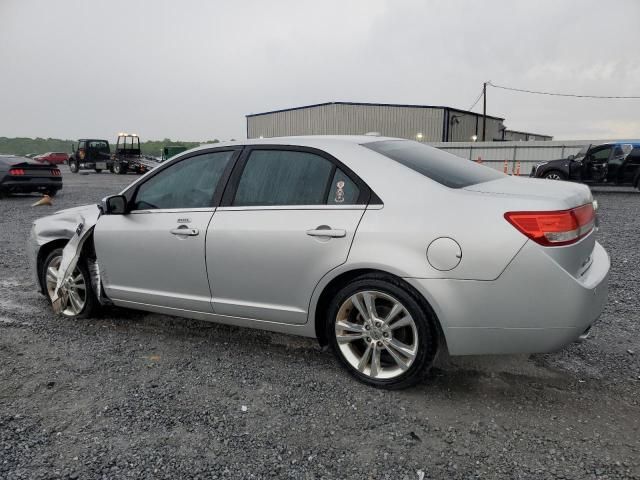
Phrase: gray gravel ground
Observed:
(135, 395)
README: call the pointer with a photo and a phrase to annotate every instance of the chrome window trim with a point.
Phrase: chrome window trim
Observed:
(174, 210)
(293, 207)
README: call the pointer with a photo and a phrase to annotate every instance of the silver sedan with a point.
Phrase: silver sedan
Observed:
(385, 249)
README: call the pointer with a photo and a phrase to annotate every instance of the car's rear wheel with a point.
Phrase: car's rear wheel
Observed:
(81, 301)
(381, 333)
(73, 166)
(52, 192)
(555, 175)
(98, 170)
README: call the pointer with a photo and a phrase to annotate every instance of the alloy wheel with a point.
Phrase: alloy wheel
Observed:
(376, 334)
(553, 176)
(75, 288)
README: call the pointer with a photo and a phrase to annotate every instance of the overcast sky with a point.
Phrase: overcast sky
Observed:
(192, 69)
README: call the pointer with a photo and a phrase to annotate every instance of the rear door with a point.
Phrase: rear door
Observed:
(631, 166)
(155, 254)
(288, 217)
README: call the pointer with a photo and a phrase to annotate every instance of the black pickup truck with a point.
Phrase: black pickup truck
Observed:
(95, 154)
(91, 154)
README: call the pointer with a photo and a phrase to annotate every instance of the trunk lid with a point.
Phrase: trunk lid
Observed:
(565, 194)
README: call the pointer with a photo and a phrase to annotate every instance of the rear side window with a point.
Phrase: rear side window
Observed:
(283, 177)
(343, 190)
(442, 167)
(189, 183)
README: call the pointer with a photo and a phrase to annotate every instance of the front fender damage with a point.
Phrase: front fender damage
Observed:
(85, 221)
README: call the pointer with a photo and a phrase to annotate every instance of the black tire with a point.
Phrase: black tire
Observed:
(74, 166)
(554, 175)
(119, 169)
(424, 320)
(52, 192)
(91, 304)
(98, 170)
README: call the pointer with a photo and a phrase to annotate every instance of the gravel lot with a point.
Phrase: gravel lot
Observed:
(135, 395)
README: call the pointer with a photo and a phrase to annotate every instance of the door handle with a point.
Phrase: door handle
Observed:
(184, 230)
(326, 231)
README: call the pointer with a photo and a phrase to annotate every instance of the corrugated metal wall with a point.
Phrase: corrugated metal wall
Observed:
(463, 125)
(345, 119)
(511, 135)
(494, 154)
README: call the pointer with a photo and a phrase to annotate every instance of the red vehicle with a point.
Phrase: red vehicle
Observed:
(54, 158)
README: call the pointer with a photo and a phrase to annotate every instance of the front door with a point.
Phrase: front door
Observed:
(155, 254)
(289, 218)
(595, 164)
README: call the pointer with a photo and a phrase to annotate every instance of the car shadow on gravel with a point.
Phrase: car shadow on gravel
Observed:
(463, 375)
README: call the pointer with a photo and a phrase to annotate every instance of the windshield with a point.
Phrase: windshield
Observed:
(442, 167)
(101, 146)
(583, 151)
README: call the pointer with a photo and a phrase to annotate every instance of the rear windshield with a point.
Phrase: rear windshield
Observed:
(442, 167)
(99, 145)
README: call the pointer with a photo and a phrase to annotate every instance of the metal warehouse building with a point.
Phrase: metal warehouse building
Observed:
(425, 123)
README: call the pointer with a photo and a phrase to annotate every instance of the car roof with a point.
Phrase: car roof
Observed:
(635, 143)
(317, 141)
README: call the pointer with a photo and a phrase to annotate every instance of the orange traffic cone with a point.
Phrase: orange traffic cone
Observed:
(505, 167)
(518, 168)
(479, 160)
(45, 200)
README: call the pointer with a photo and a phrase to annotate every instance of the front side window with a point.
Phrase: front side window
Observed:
(442, 167)
(190, 183)
(600, 155)
(283, 177)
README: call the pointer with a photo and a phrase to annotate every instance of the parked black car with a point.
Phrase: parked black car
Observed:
(607, 164)
(23, 175)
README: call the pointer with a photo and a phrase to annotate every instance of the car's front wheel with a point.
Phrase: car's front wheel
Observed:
(381, 333)
(119, 169)
(73, 166)
(555, 175)
(81, 301)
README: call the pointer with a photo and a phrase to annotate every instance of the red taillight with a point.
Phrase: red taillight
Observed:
(554, 228)
(16, 171)
(55, 172)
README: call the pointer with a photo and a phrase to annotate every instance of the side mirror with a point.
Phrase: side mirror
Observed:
(73, 148)
(571, 157)
(114, 205)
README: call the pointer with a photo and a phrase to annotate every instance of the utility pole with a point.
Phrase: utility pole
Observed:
(484, 111)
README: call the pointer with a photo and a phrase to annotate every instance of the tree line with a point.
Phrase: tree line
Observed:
(25, 146)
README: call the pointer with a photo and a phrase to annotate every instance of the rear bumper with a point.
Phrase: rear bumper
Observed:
(535, 306)
(31, 184)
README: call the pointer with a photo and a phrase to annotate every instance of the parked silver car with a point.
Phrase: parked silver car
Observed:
(388, 250)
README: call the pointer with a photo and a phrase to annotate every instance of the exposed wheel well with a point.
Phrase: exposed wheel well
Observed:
(343, 279)
(43, 253)
(47, 248)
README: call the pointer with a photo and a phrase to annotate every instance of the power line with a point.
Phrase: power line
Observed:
(476, 101)
(559, 94)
